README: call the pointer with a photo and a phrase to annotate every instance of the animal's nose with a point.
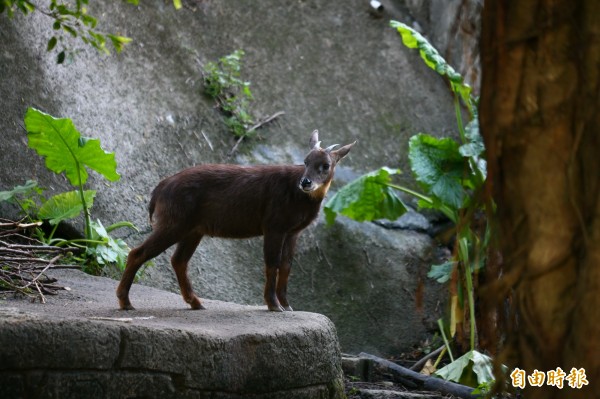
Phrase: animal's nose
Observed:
(305, 182)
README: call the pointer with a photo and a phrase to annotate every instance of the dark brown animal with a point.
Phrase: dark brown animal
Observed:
(234, 201)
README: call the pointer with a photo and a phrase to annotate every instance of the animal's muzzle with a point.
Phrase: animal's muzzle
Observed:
(305, 183)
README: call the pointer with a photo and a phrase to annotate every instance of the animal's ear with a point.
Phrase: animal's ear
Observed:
(314, 142)
(342, 152)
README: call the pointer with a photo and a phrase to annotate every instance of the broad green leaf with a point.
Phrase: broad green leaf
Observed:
(59, 142)
(413, 39)
(471, 369)
(177, 4)
(18, 190)
(367, 198)
(65, 206)
(439, 167)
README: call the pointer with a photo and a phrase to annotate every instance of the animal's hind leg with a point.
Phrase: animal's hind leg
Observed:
(154, 245)
(184, 251)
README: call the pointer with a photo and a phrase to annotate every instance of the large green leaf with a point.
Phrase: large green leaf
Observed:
(65, 206)
(65, 150)
(413, 39)
(471, 369)
(367, 198)
(439, 167)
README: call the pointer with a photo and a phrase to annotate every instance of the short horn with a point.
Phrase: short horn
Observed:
(314, 143)
(331, 147)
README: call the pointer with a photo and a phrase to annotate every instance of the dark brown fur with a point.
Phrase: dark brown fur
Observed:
(234, 201)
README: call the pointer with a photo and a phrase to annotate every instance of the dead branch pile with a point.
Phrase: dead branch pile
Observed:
(25, 260)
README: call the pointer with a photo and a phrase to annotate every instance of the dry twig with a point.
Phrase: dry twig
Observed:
(260, 123)
(24, 261)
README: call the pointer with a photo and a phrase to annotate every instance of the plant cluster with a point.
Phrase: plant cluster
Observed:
(223, 82)
(66, 151)
(452, 175)
(71, 19)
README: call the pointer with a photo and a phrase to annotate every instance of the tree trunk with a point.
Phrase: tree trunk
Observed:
(540, 118)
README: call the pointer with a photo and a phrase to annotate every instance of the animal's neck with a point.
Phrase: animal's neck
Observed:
(320, 192)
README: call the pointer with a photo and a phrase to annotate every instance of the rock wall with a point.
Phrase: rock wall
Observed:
(332, 66)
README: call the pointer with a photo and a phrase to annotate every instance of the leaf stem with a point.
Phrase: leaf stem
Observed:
(464, 255)
(86, 211)
(459, 121)
(451, 214)
(52, 232)
(446, 343)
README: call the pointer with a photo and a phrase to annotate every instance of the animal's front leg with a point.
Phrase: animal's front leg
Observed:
(289, 246)
(272, 251)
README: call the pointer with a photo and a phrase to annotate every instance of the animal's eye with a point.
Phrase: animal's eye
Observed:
(325, 166)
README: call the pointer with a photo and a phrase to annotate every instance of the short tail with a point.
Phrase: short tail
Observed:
(152, 204)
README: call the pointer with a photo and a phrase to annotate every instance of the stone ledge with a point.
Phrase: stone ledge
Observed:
(79, 345)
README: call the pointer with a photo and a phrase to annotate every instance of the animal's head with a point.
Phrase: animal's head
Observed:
(319, 166)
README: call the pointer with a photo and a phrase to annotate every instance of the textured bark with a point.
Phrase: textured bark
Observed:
(539, 116)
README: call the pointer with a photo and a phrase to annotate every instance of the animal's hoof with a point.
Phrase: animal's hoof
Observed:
(288, 308)
(127, 306)
(196, 304)
(276, 308)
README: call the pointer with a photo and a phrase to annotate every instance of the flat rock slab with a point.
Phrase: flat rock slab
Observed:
(79, 344)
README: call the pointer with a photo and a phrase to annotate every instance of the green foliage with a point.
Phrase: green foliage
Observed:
(65, 206)
(108, 251)
(67, 152)
(223, 82)
(452, 175)
(439, 167)
(367, 198)
(414, 40)
(27, 196)
(472, 369)
(69, 20)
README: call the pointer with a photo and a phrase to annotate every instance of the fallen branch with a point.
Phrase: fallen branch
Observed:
(260, 124)
(412, 379)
